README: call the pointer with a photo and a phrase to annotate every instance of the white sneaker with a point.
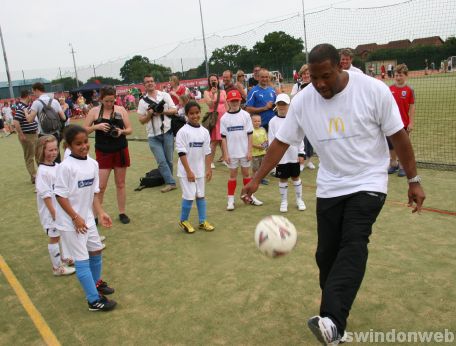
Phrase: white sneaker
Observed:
(230, 206)
(310, 165)
(324, 330)
(301, 167)
(301, 205)
(283, 207)
(63, 270)
(102, 238)
(212, 165)
(69, 262)
(256, 201)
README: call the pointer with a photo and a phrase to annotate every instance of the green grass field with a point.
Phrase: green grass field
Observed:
(434, 135)
(216, 288)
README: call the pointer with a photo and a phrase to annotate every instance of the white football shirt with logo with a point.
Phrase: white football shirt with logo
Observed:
(291, 155)
(236, 127)
(44, 184)
(348, 133)
(195, 143)
(77, 180)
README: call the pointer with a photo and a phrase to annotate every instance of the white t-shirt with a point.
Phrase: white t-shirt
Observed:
(236, 127)
(291, 155)
(7, 113)
(44, 184)
(348, 133)
(153, 126)
(355, 69)
(66, 153)
(77, 180)
(195, 143)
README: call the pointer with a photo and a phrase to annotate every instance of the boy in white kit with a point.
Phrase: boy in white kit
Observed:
(236, 129)
(194, 166)
(288, 166)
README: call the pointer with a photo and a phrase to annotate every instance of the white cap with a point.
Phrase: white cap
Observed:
(283, 98)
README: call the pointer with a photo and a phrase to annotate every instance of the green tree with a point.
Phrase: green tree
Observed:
(277, 50)
(134, 69)
(226, 58)
(67, 83)
(105, 80)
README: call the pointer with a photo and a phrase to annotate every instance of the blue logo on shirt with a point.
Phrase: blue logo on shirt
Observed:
(235, 128)
(85, 183)
(196, 144)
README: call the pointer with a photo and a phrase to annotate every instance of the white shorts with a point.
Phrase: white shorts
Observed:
(79, 244)
(235, 163)
(52, 232)
(190, 190)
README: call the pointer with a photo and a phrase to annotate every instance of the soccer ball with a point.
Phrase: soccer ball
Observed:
(275, 236)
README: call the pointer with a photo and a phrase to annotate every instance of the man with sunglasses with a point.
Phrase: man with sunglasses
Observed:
(255, 78)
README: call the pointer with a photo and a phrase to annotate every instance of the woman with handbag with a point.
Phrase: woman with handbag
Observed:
(215, 99)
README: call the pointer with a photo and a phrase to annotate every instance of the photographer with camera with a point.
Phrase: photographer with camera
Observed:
(111, 125)
(155, 110)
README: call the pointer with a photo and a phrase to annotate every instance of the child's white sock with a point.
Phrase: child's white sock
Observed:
(54, 254)
(298, 188)
(283, 188)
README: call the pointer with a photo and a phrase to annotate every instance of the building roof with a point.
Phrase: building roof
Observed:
(21, 82)
(428, 41)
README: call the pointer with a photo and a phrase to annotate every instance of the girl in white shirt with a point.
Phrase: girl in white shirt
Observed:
(46, 153)
(194, 167)
(76, 189)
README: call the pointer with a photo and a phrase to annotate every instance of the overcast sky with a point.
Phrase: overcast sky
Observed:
(38, 37)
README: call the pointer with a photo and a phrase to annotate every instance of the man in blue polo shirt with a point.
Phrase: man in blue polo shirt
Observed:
(261, 99)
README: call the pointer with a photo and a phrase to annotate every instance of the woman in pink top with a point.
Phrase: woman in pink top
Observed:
(210, 97)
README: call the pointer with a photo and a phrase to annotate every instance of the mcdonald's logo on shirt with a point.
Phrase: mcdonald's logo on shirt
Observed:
(336, 124)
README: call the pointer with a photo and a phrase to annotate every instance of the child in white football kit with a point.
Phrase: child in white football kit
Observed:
(76, 190)
(236, 130)
(194, 166)
(46, 153)
(288, 166)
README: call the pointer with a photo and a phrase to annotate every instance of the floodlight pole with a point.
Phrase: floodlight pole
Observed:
(204, 41)
(305, 32)
(10, 85)
(74, 63)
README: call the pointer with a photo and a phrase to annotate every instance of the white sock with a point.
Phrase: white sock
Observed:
(283, 188)
(230, 199)
(298, 188)
(54, 254)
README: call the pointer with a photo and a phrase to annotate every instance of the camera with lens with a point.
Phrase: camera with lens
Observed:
(214, 84)
(157, 107)
(114, 131)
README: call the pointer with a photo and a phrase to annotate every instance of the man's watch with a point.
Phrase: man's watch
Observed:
(416, 179)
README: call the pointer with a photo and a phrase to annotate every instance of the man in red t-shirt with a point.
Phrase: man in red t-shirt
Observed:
(405, 99)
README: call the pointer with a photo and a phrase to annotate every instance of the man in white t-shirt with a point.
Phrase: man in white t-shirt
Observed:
(346, 57)
(36, 108)
(346, 117)
(155, 110)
